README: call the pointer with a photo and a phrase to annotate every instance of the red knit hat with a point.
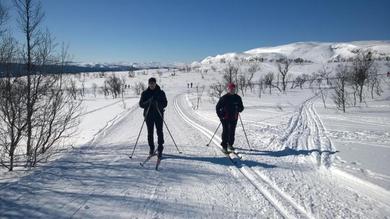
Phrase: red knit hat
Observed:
(231, 86)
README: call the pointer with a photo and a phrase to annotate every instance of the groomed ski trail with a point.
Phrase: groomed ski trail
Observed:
(306, 132)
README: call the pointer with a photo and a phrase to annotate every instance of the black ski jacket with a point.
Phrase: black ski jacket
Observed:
(153, 99)
(228, 107)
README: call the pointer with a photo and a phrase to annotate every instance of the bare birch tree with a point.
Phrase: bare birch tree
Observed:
(284, 66)
(340, 93)
(12, 99)
(30, 16)
(362, 65)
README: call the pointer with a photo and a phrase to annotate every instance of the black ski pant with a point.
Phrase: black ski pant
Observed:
(228, 132)
(158, 122)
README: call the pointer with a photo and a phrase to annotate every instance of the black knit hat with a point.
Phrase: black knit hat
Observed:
(152, 80)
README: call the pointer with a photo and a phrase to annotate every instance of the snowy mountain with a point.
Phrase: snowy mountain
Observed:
(124, 65)
(317, 52)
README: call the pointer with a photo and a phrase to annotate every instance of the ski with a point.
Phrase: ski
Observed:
(233, 152)
(239, 156)
(232, 158)
(232, 155)
(147, 159)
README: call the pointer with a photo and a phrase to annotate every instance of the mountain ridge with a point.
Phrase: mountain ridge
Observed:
(311, 51)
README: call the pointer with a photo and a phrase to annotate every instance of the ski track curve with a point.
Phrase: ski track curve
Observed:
(306, 132)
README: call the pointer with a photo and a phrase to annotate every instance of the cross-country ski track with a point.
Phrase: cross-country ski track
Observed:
(291, 177)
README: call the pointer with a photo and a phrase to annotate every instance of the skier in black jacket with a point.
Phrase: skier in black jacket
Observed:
(228, 108)
(153, 101)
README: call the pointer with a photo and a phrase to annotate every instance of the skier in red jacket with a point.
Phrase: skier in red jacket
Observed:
(228, 108)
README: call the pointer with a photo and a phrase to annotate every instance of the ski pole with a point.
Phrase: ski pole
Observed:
(214, 134)
(243, 128)
(143, 123)
(131, 156)
(158, 110)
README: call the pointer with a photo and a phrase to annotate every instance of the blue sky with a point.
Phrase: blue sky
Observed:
(187, 30)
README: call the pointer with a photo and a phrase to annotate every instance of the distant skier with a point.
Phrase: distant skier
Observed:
(191, 84)
(228, 108)
(153, 101)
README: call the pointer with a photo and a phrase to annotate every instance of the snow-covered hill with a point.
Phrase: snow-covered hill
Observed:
(317, 52)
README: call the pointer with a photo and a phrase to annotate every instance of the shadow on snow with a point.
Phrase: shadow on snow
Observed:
(286, 152)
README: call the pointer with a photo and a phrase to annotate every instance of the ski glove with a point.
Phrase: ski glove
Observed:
(238, 107)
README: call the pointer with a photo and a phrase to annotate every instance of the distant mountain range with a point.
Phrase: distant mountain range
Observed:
(77, 67)
(315, 52)
(124, 65)
(18, 69)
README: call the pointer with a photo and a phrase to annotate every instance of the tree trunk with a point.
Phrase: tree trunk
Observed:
(29, 71)
(343, 94)
(11, 159)
(361, 93)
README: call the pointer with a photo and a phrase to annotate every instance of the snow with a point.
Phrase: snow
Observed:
(302, 161)
(317, 52)
(363, 138)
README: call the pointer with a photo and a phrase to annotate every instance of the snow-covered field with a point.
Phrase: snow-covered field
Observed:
(303, 161)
